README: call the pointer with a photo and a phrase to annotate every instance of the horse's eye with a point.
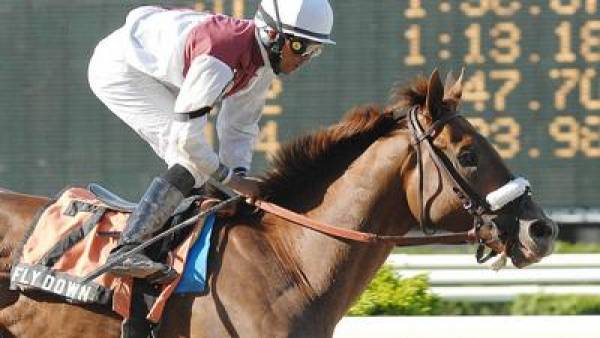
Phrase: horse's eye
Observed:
(468, 159)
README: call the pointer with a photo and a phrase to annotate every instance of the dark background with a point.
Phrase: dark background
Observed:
(56, 133)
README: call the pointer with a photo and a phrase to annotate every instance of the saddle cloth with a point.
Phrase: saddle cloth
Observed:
(73, 236)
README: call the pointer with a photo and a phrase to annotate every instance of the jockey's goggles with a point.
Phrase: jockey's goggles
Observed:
(304, 47)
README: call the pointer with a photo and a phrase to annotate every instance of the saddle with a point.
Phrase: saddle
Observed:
(74, 235)
(117, 202)
(111, 199)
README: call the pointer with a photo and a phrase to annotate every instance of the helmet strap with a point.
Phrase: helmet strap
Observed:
(276, 49)
(275, 53)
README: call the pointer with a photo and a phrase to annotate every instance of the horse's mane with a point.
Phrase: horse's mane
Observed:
(405, 96)
(317, 158)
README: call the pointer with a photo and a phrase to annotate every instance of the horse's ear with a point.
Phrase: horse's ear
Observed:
(449, 81)
(435, 95)
(453, 90)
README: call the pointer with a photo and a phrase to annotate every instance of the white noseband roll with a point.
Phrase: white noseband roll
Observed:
(507, 193)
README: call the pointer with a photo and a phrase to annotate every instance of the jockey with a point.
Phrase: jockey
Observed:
(163, 71)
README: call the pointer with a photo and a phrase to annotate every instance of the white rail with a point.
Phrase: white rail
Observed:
(410, 261)
(470, 326)
(459, 277)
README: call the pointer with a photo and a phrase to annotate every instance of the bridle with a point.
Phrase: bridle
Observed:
(508, 201)
(471, 201)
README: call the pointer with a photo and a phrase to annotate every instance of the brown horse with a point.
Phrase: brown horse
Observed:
(272, 278)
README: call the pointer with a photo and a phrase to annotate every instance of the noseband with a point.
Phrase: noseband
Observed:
(479, 208)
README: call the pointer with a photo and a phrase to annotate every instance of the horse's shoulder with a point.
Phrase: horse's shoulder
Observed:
(16, 212)
(20, 201)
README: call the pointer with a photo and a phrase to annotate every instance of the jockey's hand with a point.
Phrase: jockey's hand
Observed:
(244, 185)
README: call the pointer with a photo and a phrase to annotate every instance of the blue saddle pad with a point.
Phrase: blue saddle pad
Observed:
(193, 279)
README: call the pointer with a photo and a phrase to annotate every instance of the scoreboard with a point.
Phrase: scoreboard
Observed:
(532, 87)
(532, 84)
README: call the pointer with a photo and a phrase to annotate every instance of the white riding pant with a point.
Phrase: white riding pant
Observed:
(146, 105)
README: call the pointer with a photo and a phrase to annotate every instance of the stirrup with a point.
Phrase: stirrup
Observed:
(163, 276)
(138, 266)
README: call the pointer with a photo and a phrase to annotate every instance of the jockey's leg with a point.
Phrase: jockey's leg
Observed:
(156, 206)
(146, 106)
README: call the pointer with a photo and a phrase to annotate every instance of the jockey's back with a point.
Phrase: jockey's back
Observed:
(154, 40)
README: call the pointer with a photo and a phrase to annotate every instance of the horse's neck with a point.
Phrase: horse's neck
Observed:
(301, 279)
(367, 197)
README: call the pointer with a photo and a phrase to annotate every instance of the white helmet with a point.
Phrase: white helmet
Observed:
(310, 19)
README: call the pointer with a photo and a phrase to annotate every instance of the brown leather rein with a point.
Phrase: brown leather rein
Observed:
(364, 237)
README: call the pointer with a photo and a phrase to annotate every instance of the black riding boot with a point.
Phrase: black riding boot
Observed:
(154, 209)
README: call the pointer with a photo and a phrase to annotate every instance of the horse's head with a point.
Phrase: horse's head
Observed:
(456, 178)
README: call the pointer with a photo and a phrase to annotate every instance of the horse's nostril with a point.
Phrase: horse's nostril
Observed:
(540, 229)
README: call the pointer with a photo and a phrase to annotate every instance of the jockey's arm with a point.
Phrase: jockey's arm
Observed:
(205, 83)
(237, 129)
(207, 80)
